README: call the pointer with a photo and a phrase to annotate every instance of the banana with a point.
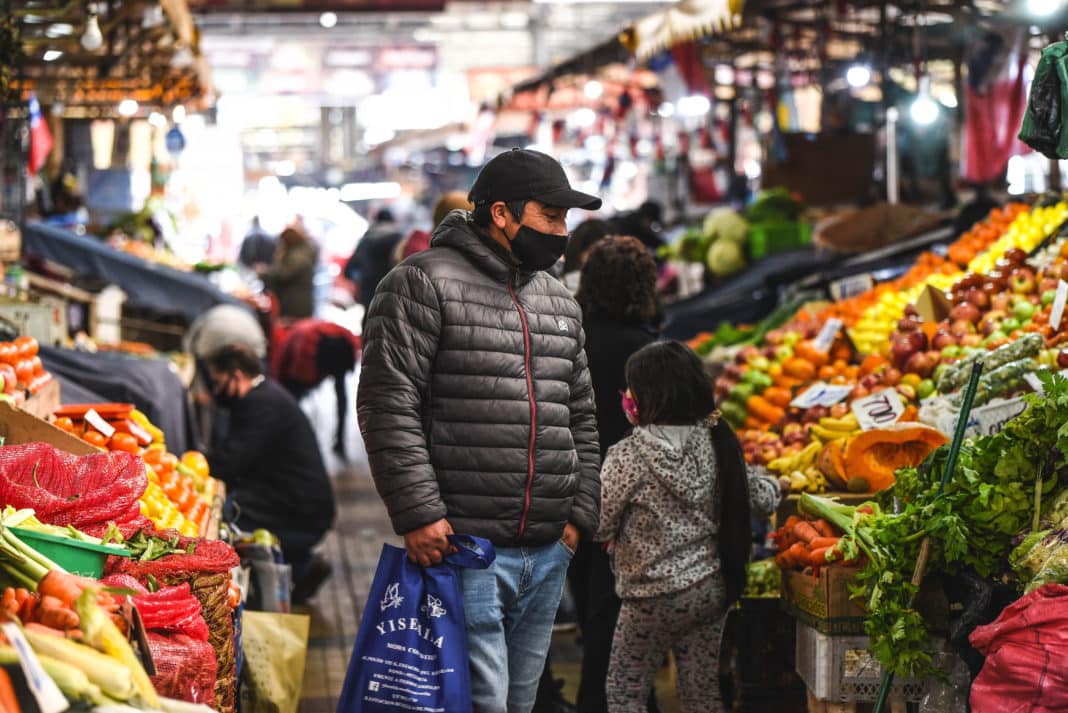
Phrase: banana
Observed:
(845, 423)
(827, 434)
(807, 456)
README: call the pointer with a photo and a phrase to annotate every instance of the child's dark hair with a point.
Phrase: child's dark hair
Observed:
(235, 357)
(671, 388)
(669, 384)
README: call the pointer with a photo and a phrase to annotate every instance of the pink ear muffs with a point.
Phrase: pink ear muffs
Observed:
(630, 407)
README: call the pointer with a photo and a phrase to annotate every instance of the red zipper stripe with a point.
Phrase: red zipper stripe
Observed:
(533, 409)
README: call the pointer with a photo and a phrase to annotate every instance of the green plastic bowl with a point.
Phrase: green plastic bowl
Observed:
(83, 558)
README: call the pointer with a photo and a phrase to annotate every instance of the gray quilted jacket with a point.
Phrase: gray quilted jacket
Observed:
(475, 401)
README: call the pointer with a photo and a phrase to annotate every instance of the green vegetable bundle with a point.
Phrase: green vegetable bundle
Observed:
(990, 498)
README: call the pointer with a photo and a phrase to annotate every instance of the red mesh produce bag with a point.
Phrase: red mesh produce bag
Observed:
(185, 667)
(207, 572)
(1025, 650)
(64, 489)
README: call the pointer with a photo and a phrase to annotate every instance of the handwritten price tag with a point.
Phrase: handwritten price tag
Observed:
(825, 338)
(878, 410)
(990, 419)
(851, 286)
(822, 394)
(1056, 312)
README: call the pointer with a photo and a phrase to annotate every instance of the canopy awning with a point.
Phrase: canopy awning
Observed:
(686, 20)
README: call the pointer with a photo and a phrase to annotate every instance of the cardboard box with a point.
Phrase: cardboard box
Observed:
(45, 401)
(18, 426)
(824, 597)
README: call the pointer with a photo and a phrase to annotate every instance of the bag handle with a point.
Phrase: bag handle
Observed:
(472, 552)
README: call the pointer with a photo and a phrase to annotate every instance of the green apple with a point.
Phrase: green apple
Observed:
(759, 363)
(1024, 311)
(951, 352)
(925, 388)
(783, 353)
(1048, 296)
(791, 338)
(1008, 326)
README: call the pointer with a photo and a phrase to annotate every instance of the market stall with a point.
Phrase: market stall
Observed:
(897, 547)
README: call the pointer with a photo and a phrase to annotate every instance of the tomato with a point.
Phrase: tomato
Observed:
(196, 462)
(38, 367)
(124, 442)
(8, 353)
(24, 371)
(167, 461)
(64, 423)
(96, 438)
(152, 456)
(27, 347)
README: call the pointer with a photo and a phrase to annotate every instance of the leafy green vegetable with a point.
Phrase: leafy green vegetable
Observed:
(989, 499)
(764, 579)
(148, 547)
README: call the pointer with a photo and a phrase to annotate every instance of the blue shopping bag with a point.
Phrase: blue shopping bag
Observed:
(411, 650)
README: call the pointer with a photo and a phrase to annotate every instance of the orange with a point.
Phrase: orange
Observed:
(124, 442)
(96, 438)
(65, 424)
(196, 462)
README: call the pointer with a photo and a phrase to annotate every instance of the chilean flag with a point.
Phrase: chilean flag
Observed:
(40, 138)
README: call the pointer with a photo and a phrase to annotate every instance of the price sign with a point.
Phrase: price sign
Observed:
(1033, 381)
(96, 421)
(878, 410)
(990, 419)
(822, 394)
(1056, 312)
(825, 338)
(45, 691)
(851, 286)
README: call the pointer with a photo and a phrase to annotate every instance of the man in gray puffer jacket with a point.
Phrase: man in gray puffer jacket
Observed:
(477, 410)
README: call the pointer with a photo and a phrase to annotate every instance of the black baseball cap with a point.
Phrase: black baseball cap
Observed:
(523, 174)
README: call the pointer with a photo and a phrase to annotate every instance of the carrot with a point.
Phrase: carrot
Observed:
(824, 528)
(59, 634)
(821, 542)
(26, 609)
(763, 410)
(818, 557)
(9, 702)
(8, 601)
(21, 594)
(53, 613)
(791, 521)
(805, 532)
(64, 587)
(796, 556)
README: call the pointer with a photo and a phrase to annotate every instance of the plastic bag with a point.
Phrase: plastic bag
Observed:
(276, 646)
(1047, 107)
(411, 649)
(1025, 648)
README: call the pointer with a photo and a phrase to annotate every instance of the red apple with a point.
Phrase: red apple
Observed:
(978, 297)
(1022, 281)
(961, 327)
(942, 339)
(971, 340)
(907, 324)
(966, 311)
(1062, 358)
(920, 363)
(839, 410)
(907, 391)
(870, 381)
(891, 376)
(1002, 301)
(992, 321)
(1016, 256)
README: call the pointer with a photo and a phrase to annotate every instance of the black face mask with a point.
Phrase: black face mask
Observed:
(537, 250)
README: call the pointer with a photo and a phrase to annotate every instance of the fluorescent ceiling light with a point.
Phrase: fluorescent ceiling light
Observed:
(59, 29)
(51, 55)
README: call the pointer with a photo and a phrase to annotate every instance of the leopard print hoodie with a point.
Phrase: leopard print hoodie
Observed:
(657, 487)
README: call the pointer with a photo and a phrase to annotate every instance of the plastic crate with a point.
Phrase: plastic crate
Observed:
(776, 236)
(840, 626)
(83, 558)
(840, 668)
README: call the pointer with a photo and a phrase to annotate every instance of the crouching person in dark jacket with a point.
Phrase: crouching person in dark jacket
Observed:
(477, 412)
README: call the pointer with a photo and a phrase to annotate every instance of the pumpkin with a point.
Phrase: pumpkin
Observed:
(831, 462)
(875, 455)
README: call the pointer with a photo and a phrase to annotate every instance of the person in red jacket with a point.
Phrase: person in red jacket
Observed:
(315, 349)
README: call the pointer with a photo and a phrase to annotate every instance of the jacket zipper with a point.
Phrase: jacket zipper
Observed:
(533, 407)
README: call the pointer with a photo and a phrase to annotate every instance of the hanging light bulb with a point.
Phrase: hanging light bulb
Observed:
(1043, 8)
(92, 38)
(859, 75)
(924, 110)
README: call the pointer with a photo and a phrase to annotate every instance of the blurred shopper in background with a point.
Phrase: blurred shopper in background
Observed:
(643, 223)
(617, 294)
(456, 440)
(315, 349)
(270, 462)
(373, 256)
(419, 240)
(258, 248)
(291, 277)
(582, 239)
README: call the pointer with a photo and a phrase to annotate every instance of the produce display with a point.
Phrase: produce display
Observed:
(180, 492)
(80, 627)
(21, 371)
(726, 241)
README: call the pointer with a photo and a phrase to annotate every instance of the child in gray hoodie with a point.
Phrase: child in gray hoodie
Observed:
(675, 503)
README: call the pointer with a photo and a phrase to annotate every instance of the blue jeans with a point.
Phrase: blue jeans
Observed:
(510, 608)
